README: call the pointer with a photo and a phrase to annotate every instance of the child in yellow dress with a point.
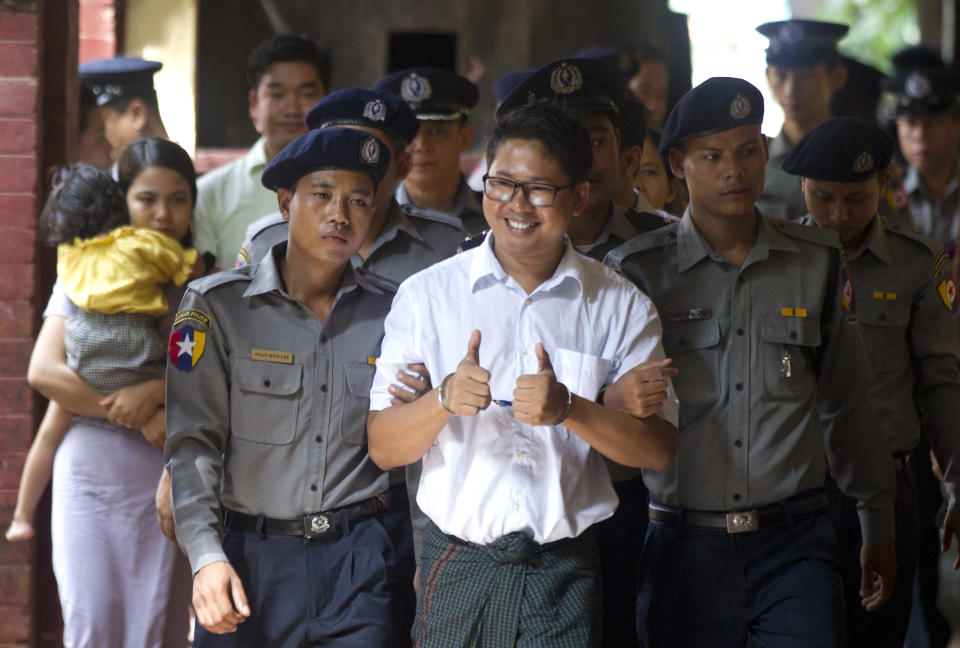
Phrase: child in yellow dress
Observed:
(116, 275)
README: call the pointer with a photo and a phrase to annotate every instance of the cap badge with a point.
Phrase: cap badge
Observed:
(370, 151)
(415, 88)
(375, 111)
(790, 34)
(739, 107)
(863, 164)
(916, 86)
(566, 79)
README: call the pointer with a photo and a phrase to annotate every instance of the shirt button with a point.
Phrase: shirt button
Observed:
(527, 301)
(523, 351)
(740, 332)
(323, 339)
(739, 281)
(516, 506)
(266, 383)
(323, 388)
(736, 497)
(739, 386)
(318, 439)
(881, 317)
(738, 443)
(313, 487)
(521, 455)
(793, 335)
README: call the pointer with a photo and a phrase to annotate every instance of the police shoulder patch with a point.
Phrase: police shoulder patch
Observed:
(932, 245)
(947, 289)
(186, 346)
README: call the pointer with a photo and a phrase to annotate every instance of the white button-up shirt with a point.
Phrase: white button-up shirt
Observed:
(489, 475)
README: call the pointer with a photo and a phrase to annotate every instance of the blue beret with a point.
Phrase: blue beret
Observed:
(920, 91)
(580, 83)
(506, 84)
(114, 77)
(348, 149)
(371, 108)
(801, 42)
(717, 104)
(432, 93)
(843, 149)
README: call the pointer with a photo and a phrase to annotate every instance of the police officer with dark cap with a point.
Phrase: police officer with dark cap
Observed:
(908, 324)
(442, 101)
(771, 386)
(123, 86)
(276, 501)
(928, 130)
(803, 71)
(594, 89)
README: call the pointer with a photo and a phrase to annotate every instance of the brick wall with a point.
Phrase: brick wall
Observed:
(98, 30)
(19, 38)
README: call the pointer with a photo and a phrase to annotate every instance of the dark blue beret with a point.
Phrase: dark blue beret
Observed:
(371, 108)
(432, 93)
(920, 91)
(580, 83)
(506, 84)
(717, 104)
(111, 78)
(842, 149)
(801, 42)
(327, 148)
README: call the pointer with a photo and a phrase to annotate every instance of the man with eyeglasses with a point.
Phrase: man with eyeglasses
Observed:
(522, 333)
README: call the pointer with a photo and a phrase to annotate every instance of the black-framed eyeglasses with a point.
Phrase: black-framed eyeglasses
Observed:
(537, 194)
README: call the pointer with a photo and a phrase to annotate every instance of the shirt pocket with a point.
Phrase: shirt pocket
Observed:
(695, 349)
(265, 402)
(583, 374)
(788, 345)
(883, 328)
(358, 379)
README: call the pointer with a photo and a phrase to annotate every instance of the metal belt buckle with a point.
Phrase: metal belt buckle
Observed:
(742, 522)
(315, 525)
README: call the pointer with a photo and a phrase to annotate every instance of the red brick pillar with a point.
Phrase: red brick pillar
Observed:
(98, 29)
(19, 150)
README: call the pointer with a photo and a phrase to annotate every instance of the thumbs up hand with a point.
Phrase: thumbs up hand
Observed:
(539, 399)
(467, 391)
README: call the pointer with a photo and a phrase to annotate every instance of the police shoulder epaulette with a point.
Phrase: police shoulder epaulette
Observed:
(437, 216)
(894, 227)
(648, 221)
(472, 241)
(660, 237)
(260, 225)
(370, 279)
(204, 285)
(820, 235)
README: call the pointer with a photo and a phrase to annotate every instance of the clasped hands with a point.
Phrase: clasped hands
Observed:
(538, 399)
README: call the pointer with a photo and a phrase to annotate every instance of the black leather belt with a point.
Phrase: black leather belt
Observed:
(328, 525)
(804, 504)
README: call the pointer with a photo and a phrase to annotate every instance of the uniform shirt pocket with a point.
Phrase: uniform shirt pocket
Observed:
(265, 401)
(884, 331)
(358, 379)
(695, 349)
(582, 373)
(788, 345)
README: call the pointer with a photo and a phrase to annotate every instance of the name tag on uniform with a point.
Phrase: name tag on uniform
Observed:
(692, 315)
(266, 355)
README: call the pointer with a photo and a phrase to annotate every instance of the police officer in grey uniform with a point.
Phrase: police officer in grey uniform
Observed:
(907, 320)
(402, 240)
(442, 101)
(596, 90)
(803, 71)
(276, 501)
(771, 382)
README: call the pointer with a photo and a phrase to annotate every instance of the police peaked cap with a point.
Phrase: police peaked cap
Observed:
(580, 83)
(115, 77)
(920, 91)
(716, 105)
(506, 84)
(340, 148)
(842, 149)
(432, 93)
(371, 108)
(801, 42)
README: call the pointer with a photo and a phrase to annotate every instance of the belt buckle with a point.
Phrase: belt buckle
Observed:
(315, 525)
(743, 521)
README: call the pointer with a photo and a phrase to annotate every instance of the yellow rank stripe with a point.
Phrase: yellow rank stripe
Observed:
(885, 295)
(793, 312)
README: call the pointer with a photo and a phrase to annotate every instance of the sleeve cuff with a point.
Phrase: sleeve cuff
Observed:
(204, 551)
(876, 526)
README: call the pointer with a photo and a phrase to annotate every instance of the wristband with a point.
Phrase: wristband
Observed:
(442, 394)
(566, 412)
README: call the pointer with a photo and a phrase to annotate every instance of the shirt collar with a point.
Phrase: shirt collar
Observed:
(396, 222)
(484, 267)
(267, 276)
(876, 242)
(692, 246)
(255, 160)
(616, 225)
(912, 183)
(779, 146)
